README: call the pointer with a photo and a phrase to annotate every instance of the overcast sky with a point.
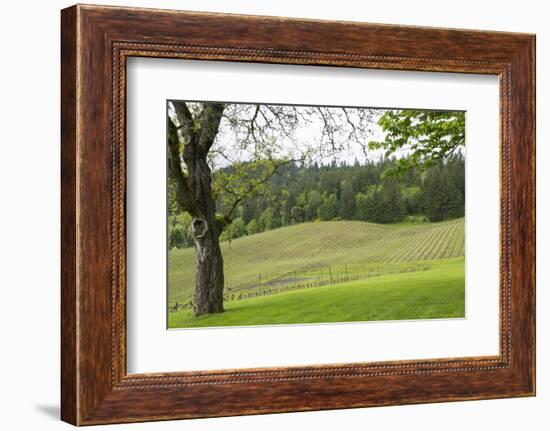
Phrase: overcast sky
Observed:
(308, 134)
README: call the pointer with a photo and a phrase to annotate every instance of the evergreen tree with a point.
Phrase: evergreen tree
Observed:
(393, 207)
(329, 208)
(346, 210)
(315, 200)
(362, 207)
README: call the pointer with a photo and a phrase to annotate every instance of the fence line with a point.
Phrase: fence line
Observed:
(334, 278)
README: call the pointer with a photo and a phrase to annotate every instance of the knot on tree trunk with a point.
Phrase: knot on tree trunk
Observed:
(199, 227)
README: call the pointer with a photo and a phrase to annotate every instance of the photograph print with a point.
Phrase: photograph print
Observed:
(295, 214)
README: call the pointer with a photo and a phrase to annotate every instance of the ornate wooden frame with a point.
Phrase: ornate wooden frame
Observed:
(95, 43)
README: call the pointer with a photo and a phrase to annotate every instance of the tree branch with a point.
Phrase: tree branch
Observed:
(184, 194)
(210, 119)
(327, 128)
(185, 119)
(252, 187)
(251, 130)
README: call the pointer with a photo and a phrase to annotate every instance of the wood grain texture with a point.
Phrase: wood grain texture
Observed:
(96, 41)
(69, 397)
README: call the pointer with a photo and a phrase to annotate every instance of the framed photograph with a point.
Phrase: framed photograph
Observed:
(265, 215)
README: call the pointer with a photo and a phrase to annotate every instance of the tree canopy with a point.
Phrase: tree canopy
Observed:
(256, 140)
(422, 139)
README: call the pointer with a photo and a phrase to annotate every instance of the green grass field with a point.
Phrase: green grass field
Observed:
(435, 293)
(337, 271)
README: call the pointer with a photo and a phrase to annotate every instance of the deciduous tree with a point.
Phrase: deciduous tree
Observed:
(422, 139)
(253, 141)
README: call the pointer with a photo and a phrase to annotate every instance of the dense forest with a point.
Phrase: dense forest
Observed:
(340, 191)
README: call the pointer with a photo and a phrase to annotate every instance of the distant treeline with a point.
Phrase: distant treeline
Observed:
(298, 194)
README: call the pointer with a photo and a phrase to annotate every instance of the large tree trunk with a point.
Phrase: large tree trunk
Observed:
(194, 191)
(209, 278)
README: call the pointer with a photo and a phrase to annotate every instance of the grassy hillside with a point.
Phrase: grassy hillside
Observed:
(435, 293)
(310, 254)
